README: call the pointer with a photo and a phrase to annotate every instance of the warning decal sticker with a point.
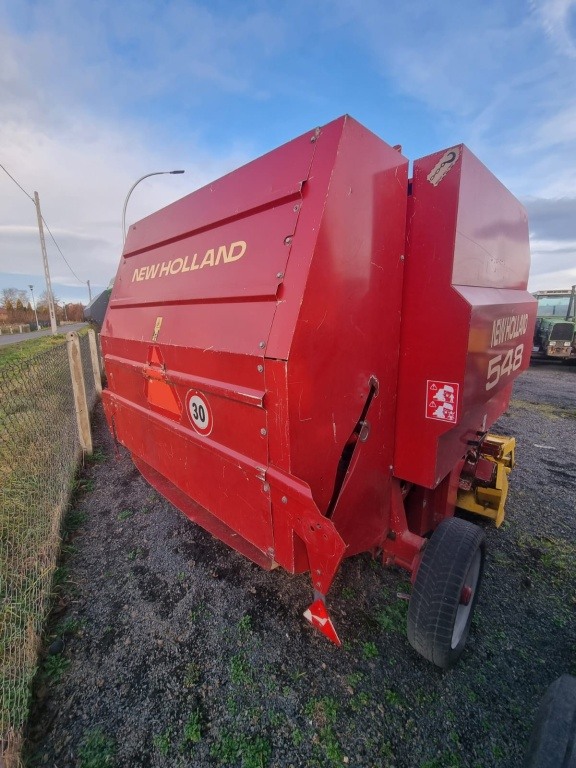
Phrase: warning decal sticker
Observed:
(442, 400)
(443, 165)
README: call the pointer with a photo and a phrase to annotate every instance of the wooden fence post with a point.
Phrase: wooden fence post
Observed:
(95, 361)
(80, 400)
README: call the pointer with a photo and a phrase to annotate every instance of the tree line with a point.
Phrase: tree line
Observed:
(16, 308)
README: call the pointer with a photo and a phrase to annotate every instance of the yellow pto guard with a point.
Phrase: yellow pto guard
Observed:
(483, 486)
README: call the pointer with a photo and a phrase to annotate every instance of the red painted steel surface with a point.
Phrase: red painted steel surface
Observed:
(253, 338)
(467, 317)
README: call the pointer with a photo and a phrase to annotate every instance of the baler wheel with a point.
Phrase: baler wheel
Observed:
(445, 591)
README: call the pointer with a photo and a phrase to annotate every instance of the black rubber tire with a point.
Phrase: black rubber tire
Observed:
(438, 622)
(553, 739)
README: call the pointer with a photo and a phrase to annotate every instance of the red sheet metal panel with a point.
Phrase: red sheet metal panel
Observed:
(184, 341)
(339, 321)
(467, 318)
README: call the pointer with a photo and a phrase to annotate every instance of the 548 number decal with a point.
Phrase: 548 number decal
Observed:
(503, 364)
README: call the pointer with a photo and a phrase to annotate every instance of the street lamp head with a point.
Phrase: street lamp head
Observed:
(156, 173)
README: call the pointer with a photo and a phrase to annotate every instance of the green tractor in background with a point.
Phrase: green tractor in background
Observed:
(555, 330)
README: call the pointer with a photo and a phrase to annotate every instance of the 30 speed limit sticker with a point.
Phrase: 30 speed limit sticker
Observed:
(199, 412)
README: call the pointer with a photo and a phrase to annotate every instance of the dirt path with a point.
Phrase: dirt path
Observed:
(179, 652)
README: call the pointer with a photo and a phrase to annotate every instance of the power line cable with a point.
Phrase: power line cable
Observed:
(15, 182)
(45, 224)
(61, 254)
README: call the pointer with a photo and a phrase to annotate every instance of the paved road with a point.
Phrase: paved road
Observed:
(12, 338)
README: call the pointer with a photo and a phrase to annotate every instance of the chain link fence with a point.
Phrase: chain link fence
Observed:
(39, 453)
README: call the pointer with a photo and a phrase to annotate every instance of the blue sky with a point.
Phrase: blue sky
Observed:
(95, 94)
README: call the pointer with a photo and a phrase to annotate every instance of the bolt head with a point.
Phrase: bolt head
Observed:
(263, 431)
(266, 487)
(280, 275)
(260, 368)
(288, 240)
(284, 499)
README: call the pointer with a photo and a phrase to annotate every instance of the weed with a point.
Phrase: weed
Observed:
(193, 728)
(360, 701)
(232, 706)
(61, 575)
(163, 742)
(245, 624)
(348, 593)
(322, 711)
(54, 667)
(181, 576)
(498, 752)
(369, 650)
(355, 678)
(240, 670)
(70, 626)
(198, 613)
(74, 519)
(393, 617)
(97, 750)
(125, 514)
(392, 698)
(96, 457)
(84, 485)
(297, 737)
(254, 752)
(191, 674)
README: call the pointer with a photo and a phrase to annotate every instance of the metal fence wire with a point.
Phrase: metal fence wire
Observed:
(39, 451)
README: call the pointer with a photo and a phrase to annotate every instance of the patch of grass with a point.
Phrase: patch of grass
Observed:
(22, 351)
(193, 728)
(245, 624)
(253, 752)
(323, 713)
(96, 457)
(74, 519)
(392, 697)
(198, 613)
(134, 554)
(84, 485)
(191, 674)
(369, 650)
(355, 678)
(240, 670)
(360, 701)
(69, 626)
(54, 667)
(163, 742)
(557, 556)
(393, 617)
(348, 593)
(125, 514)
(97, 750)
(297, 737)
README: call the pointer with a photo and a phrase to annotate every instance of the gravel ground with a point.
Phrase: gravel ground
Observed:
(179, 652)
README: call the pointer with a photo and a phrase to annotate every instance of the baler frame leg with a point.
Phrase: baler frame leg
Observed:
(401, 547)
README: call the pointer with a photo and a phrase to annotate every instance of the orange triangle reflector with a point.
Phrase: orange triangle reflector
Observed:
(317, 615)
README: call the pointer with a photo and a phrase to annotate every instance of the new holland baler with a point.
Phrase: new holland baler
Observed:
(306, 355)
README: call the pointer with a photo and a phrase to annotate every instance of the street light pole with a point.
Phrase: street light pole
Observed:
(34, 307)
(156, 173)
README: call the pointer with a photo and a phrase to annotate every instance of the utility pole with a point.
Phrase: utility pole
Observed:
(46, 269)
(89, 291)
